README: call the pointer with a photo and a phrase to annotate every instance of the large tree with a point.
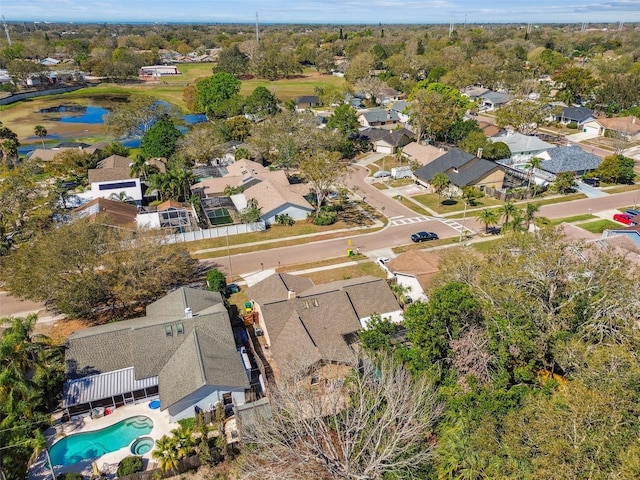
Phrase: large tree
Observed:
(232, 60)
(217, 96)
(523, 115)
(261, 103)
(135, 116)
(322, 170)
(161, 139)
(89, 269)
(344, 119)
(372, 425)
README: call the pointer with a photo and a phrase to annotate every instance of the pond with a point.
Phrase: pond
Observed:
(72, 113)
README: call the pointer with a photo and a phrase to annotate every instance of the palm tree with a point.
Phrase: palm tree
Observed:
(507, 210)
(41, 132)
(533, 163)
(166, 453)
(139, 167)
(529, 214)
(439, 182)
(489, 217)
(517, 218)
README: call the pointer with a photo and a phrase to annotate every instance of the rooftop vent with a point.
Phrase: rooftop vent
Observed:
(188, 313)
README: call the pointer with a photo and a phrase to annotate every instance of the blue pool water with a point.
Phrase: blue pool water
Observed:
(91, 445)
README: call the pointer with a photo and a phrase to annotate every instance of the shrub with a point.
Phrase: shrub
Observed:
(325, 217)
(129, 465)
(70, 476)
(284, 219)
(572, 125)
(216, 281)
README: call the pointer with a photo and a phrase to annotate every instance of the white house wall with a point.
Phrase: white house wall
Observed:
(205, 398)
(148, 220)
(134, 192)
(395, 317)
(295, 212)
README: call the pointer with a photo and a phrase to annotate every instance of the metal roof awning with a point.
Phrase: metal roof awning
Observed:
(104, 385)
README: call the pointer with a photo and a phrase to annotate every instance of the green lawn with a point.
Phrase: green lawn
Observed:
(600, 226)
(575, 218)
(444, 206)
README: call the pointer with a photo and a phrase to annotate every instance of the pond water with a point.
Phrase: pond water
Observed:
(91, 114)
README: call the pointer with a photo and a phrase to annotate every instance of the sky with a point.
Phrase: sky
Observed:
(323, 11)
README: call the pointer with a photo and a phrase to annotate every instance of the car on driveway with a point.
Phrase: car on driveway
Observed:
(623, 218)
(381, 174)
(232, 288)
(592, 182)
(424, 236)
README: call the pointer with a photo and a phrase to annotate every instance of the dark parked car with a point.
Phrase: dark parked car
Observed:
(233, 288)
(593, 182)
(423, 236)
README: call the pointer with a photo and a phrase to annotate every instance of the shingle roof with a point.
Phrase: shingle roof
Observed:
(577, 114)
(271, 196)
(200, 360)
(495, 98)
(518, 142)
(461, 167)
(311, 327)
(379, 115)
(276, 287)
(148, 344)
(570, 159)
(627, 125)
(308, 99)
(111, 168)
(422, 153)
(400, 106)
(116, 213)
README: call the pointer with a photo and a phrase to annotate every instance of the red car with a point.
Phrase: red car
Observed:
(623, 218)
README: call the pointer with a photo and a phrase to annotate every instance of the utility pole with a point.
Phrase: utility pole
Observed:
(6, 29)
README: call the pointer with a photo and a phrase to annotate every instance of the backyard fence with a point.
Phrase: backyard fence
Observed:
(217, 232)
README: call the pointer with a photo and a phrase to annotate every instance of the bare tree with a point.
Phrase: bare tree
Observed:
(378, 420)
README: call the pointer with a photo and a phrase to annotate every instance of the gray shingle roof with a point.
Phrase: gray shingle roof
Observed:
(149, 344)
(519, 143)
(576, 114)
(496, 98)
(570, 159)
(311, 327)
(276, 287)
(379, 116)
(461, 167)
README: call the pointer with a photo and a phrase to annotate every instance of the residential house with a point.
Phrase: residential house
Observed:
(569, 159)
(423, 154)
(111, 212)
(271, 189)
(48, 154)
(523, 147)
(401, 109)
(626, 127)
(462, 169)
(306, 326)
(415, 269)
(489, 129)
(183, 351)
(307, 101)
(385, 141)
(493, 100)
(112, 179)
(474, 92)
(387, 96)
(49, 62)
(379, 118)
(170, 215)
(577, 115)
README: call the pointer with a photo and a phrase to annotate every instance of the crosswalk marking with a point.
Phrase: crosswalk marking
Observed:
(399, 221)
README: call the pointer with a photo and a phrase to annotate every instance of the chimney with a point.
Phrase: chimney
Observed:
(188, 313)
(291, 294)
(479, 154)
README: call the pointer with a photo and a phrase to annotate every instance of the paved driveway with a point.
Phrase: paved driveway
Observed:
(590, 191)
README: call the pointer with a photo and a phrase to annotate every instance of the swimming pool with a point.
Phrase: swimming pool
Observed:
(90, 445)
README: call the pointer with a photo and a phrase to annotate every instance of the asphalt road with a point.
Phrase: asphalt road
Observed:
(402, 223)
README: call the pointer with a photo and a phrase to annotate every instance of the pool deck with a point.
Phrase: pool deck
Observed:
(107, 463)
